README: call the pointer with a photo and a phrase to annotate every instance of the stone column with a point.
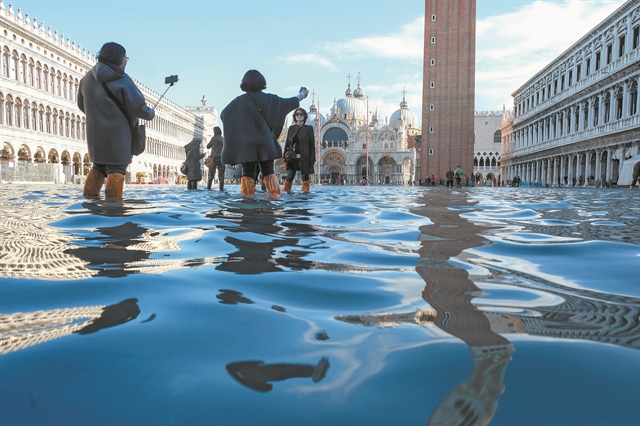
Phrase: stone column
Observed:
(609, 164)
(625, 99)
(598, 165)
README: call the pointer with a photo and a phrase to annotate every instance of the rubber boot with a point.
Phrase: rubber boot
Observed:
(286, 186)
(271, 182)
(93, 184)
(247, 185)
(221, 185)
(306, 185)
(113, 189)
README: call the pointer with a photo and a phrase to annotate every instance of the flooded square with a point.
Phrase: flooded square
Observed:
(350, 305)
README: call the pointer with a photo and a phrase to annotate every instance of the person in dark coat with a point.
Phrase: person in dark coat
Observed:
(192, 151)
(215, 144)
(450, 178)
(300, 140)
(635, 174)
(108, 132)
(250, 123)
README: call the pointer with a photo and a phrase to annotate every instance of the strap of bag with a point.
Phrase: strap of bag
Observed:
(263, 116)
(118, 104)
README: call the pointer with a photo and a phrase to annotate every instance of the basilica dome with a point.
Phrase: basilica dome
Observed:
(405, 115)
(313, 116)
(359, 93)
(351, 108)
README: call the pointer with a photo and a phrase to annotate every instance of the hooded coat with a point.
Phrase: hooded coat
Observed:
(247, 137)
(108, 133)
(192, 151)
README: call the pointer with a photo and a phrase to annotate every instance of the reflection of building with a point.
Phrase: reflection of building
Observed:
(41, 124)
(579, 116)
(448, 88)
(23, 329)
(354, 144)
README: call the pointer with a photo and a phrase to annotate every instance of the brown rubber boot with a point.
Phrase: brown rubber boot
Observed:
(247, 185)
(93, 184)
(113, 189)
(306, 185)
(271, 182)
(286, 186)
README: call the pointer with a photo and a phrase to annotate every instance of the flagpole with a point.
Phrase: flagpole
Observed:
(318, 143)
(367, 137)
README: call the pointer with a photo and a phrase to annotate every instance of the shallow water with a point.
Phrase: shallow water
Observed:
(351, 305)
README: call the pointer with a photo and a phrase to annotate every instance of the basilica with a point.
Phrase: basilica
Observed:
(354, 146)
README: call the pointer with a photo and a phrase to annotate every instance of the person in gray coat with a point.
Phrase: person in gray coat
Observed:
(250, 123)
(192, 151)
(108, 132)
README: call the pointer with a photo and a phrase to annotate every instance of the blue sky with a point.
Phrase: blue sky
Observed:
(210, 44)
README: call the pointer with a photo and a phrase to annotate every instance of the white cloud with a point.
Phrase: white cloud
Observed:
(406, 44)
(310, 58)
(513, 47)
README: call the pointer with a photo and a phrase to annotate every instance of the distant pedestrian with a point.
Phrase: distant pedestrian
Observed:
(216, 144)
(433, 180)
(192, 152)
(458, 174)
(450, 175)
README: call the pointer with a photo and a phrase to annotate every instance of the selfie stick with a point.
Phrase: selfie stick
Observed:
(172, 79)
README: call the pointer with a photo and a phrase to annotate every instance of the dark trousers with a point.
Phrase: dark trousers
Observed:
(212, 171)
(107, 169)
(251, 169)
(449, 183)
(458, 183)
(292, 169)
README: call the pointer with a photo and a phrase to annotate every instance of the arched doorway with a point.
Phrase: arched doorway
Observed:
(386, 167)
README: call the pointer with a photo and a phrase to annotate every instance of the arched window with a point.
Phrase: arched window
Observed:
(30, 73)
(8, 110)
(497, 137)
(1, 109)
(633, 99)
(23, 69)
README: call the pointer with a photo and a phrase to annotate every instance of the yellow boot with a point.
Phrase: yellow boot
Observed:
(271, 182)
(306, 185)
(93, 184)
(286, 186)
(113, 189)
(247, 185)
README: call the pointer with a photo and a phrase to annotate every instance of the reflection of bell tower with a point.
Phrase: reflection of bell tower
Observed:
(449, 291)
(475, 401)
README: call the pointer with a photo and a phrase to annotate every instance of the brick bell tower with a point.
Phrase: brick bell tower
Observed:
(448, 87)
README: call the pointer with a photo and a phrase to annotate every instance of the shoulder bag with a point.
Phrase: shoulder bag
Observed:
(138, 132)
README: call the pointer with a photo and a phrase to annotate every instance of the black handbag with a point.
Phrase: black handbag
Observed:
(138, 132)
(184, 168)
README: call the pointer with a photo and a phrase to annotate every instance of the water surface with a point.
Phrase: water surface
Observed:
(350, 305)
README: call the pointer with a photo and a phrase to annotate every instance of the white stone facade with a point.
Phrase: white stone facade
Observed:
(350, 150)
(39, 118)
(487, 145)
(579, 116)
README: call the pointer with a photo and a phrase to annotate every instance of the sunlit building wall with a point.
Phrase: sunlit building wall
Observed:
(578, 116)
(40, 122)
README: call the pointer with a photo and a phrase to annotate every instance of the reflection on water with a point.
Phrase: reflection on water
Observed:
(354, 304)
